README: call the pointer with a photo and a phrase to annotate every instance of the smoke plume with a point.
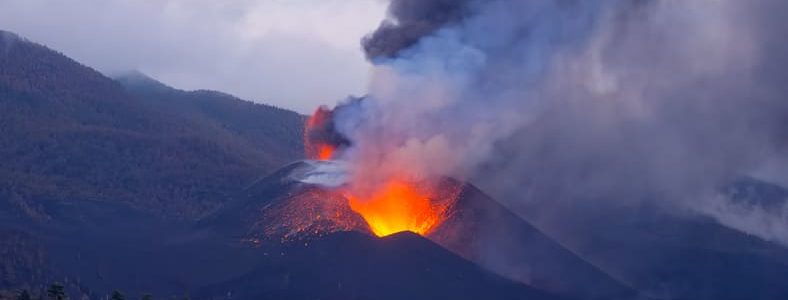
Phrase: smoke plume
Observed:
(558, 101)
(411, 20)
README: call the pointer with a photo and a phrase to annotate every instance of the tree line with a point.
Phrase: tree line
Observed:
(57, 291)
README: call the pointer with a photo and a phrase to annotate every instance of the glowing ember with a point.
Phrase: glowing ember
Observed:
(314, 212)
(398, 206)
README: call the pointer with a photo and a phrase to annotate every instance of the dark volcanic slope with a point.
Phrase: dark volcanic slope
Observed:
(69, 133)
(234, 254)
(479, 229)
(351, 265)
(315, 257)
(482, 230)
(279, 207)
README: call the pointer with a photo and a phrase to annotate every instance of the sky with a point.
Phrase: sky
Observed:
(295, 54)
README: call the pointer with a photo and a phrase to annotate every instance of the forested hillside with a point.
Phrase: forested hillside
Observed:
(69, 133)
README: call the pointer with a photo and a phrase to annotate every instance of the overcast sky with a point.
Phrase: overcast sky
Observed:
(294, 54)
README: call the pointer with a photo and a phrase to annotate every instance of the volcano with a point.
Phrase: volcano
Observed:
(478, 246)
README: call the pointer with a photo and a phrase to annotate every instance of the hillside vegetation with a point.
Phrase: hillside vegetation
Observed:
(69, 133)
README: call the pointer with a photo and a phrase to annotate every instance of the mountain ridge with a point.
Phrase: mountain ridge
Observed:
(70, 132)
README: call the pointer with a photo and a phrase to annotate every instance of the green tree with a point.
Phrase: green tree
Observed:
(117, 295)
(24, 295)
(57, 291)
(147, 297)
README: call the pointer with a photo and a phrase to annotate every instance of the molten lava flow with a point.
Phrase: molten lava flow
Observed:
(315, 148)
(321, 140)
(399, 206)
(323, 152)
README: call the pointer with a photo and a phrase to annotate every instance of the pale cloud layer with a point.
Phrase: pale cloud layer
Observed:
(295, 54)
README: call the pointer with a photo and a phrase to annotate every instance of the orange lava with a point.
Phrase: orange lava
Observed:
(387, 201)
(398, 206)
(316, 149)
(323, 152)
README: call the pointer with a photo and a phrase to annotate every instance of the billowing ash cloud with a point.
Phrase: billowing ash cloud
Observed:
(563, 101)
(666, 102)
(411, 20)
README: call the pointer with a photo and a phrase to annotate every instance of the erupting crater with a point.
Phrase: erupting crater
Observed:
(399, 205)
(391, 204)
(310, 201)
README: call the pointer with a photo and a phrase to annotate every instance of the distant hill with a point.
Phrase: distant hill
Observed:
(271, 133)
(69, 133)
(666, 255)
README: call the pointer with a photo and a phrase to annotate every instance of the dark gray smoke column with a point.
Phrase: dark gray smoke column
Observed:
(453, 77)
(411, 21)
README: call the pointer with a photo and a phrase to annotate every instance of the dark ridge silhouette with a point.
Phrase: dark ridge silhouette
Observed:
(352, 265)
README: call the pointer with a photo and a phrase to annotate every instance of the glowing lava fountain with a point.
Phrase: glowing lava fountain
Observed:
(320, 141)
(391, 205)
(399, 206)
